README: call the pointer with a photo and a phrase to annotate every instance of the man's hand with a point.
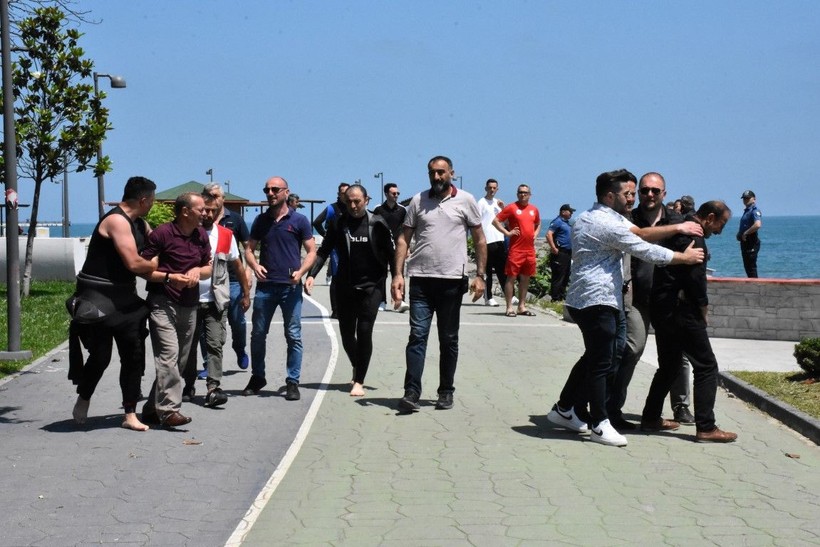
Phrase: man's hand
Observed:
(397, 290)
(260, 272)
(193, 277)
(690, 228)
(692, 255)
(477, 287)
(309, 285)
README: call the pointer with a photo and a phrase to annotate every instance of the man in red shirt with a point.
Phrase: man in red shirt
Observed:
(521, 222)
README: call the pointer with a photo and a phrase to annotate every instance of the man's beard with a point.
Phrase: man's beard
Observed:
(439, 187)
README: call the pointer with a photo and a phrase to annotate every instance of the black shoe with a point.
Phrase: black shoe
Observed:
(683, 416)
(174, 419)
(410, 402)
(215, 397)
(255, 385)
(292, 392)
(445, 401)
(622, 425)
(188, 394)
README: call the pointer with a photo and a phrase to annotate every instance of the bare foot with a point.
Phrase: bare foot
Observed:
(132, 422)
(80, 411)
(358, 390)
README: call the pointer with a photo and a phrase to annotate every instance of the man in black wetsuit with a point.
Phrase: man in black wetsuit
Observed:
(108, 278)
(364, 244)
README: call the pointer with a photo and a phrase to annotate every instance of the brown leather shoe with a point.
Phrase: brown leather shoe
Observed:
(659, 425)
(717, 435)
(175, 419)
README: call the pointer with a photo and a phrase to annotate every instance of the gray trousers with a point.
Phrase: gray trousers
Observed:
(210, 329)
(172, 337)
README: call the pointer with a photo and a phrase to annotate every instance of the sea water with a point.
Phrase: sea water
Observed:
(789, 249)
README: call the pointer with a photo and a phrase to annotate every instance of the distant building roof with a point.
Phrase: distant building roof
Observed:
(193, 186)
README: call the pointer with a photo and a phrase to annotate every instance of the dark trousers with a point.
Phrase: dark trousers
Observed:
(442, 297)
(496, 259)
(674, 336)
(589, 377)
(559, 274)
(749, 250)
(357, 311)
(99, 341)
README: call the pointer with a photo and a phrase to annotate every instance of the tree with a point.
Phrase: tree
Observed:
(59, 120)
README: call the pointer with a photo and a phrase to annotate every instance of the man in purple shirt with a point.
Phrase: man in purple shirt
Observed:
(183, 255)
(280, 233)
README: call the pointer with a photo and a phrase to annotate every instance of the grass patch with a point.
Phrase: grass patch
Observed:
(43, 321)
(801, 390)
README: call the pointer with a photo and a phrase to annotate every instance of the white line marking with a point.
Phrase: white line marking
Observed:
(245, 526)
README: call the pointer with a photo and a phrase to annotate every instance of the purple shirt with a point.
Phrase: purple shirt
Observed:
(280, 251)
(177, 253)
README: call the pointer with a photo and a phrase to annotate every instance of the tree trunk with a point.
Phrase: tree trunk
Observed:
(32, 231)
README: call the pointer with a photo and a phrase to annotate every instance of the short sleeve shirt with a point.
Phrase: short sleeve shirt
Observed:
(525, 219)
(440, 229)
(280, 251)
(489, 209)
(177, 253)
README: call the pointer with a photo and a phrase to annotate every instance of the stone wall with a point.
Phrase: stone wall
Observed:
(764, 309)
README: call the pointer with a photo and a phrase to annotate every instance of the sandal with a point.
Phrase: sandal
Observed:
(510, 314)
(526, 313)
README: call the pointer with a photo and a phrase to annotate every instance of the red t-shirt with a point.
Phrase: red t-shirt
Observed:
(526, 220)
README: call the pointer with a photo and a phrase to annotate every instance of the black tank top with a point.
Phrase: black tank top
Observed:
(103, 260)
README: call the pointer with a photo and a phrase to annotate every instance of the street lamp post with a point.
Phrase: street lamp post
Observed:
(458, 178)
(380, 176)
(210, 173)
(117, 82)
(14, 352)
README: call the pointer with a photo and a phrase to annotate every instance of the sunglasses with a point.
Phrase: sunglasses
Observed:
(273, 189)
(655, 191)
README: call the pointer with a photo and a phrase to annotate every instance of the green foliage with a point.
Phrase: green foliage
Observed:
(160, 213)
(43, 321)
(470, 248)
(540, 283)
(801, 390)
(59, 120)
(807, 353)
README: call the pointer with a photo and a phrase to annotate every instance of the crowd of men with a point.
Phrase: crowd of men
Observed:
(619, 269)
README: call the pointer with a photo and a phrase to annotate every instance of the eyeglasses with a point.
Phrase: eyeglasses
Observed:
(525, 193)
(395, 193)
(273, 189)
(655, 191)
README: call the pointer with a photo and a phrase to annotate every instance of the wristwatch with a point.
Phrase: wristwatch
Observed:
(167, 278)
(482, 276)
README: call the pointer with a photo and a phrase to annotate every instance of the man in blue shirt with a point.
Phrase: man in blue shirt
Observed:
(280, 233)
(750, 223)
(558, 238)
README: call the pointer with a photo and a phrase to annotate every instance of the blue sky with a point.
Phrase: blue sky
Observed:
(717, 96)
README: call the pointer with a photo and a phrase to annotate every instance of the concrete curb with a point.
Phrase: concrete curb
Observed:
(791, 417)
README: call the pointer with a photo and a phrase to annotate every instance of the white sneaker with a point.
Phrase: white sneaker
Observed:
(403, 307)
(567, 419)
(514, 300)
(606, 434)
(381, 306)
(491, 302)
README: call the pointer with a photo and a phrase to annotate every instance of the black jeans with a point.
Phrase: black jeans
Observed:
(357, 310)
(684, 332)
(496, 259)
(589, 377)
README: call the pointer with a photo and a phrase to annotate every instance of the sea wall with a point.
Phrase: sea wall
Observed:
(764, 309)
(54, 258)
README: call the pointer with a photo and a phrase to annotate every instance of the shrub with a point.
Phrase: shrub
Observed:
(160, 213)
(807, 353)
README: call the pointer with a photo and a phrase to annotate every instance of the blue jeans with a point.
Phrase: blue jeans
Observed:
(236, 319)
(268, 297)
(442, 297)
